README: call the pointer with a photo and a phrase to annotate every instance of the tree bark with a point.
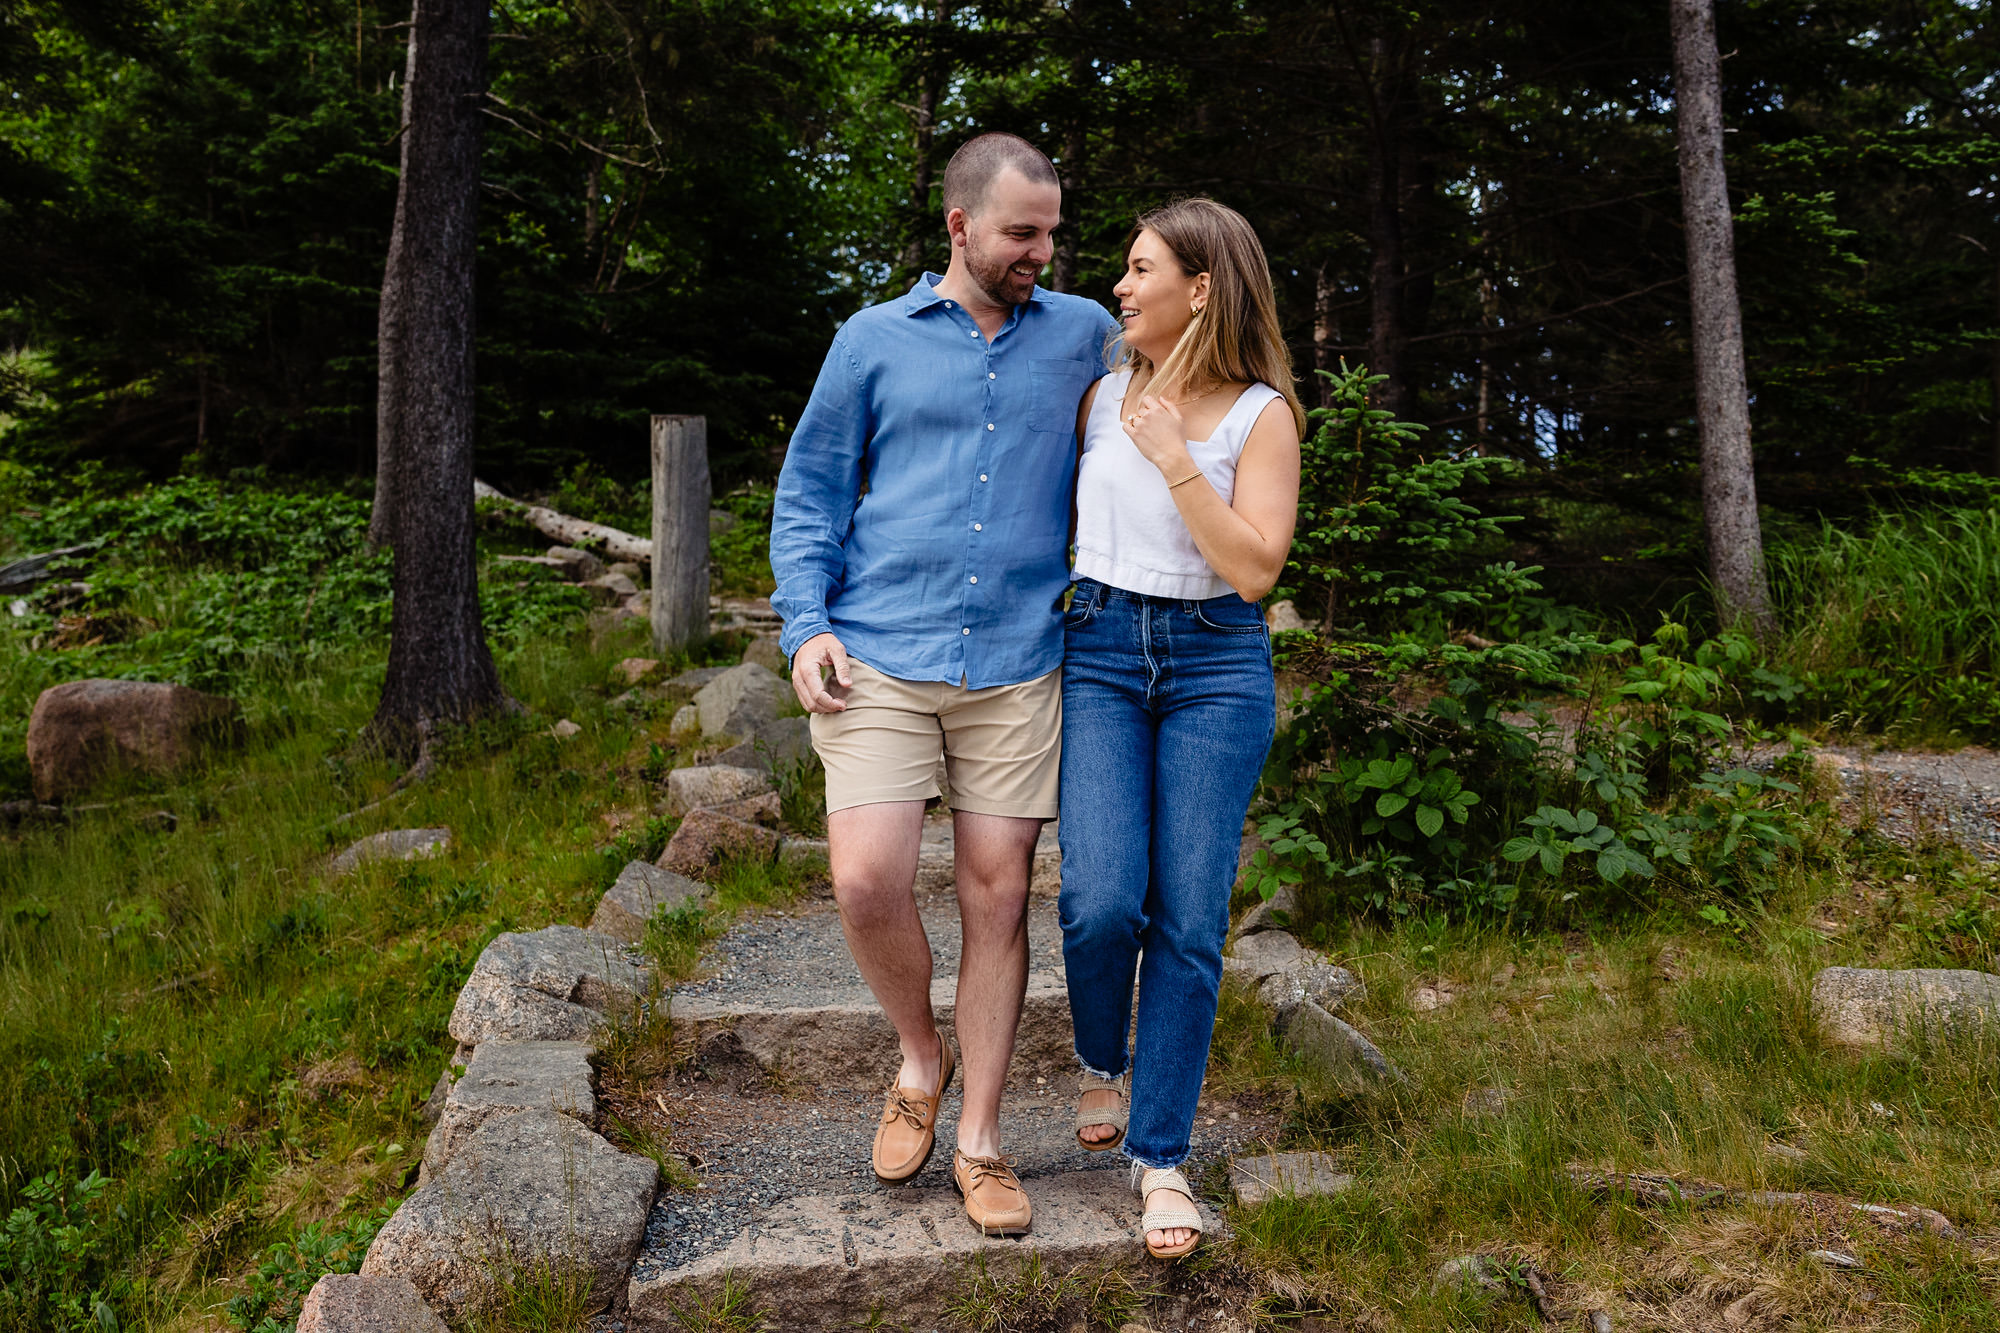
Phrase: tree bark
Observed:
(1062, 272)
(389, 336)
(680, 531)
(1722, 399)
(1993, 371)
(440, 670)
(1326, 333)
(929, 90)
(1386, 334)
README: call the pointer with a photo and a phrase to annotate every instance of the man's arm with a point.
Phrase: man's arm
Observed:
(817, 490)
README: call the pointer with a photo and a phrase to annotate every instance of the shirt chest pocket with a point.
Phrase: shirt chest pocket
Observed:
(1055, 388)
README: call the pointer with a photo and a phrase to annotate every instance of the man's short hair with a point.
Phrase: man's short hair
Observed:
(973, 167)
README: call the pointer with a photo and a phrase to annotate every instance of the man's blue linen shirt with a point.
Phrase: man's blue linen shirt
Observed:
(923, 513)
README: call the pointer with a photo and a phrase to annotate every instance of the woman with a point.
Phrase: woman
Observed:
(1185, 503)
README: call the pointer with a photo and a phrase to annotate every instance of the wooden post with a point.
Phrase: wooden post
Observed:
(680, 531)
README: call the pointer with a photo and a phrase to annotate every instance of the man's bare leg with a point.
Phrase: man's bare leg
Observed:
(994, 855)
(873, 850)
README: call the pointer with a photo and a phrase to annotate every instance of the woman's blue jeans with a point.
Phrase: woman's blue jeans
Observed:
(1168, 712)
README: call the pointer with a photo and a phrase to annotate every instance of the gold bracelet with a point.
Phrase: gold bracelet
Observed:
(1184, 480)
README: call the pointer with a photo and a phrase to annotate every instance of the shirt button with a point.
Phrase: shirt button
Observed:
(979, 527)
(991, 376)
(975, 333)
(965, 631)
(947, 305)
(989, 425)
(975, 578)
(982, 476)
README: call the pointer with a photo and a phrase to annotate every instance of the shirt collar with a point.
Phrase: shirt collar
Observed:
(924, 294)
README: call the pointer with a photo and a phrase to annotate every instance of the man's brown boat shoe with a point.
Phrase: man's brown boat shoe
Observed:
(908, 1132)
(994, 1199)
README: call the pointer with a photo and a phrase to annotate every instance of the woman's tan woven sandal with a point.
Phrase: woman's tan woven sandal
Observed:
(1165, 1216)
(1114, 1116)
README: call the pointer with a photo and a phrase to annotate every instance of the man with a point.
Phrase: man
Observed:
(920, 543)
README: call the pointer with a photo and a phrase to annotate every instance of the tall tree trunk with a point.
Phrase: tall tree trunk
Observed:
(1993, 370)
(1722, 399)
(1062, 273)
(440, 670)
(929, 90)
(1386, 334)
(1326, 333)
(389, 336)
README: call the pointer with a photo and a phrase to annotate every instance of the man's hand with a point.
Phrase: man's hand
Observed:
(809, 666)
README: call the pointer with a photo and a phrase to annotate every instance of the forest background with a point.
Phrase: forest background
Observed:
(212, 1063)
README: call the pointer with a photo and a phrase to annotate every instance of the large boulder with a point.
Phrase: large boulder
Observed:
(782, 740)
(1874, 1007)
(556, 984)
(85, 730)
(509, 1076)
(740, 700)
(707, 837)
(529, 1190)
(712, 785)
(352, 1303)
(640, 893)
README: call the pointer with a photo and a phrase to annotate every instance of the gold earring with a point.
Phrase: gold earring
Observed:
(1193, 310)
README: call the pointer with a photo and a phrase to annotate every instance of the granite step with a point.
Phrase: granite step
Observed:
(788, 1211)
(784, 987)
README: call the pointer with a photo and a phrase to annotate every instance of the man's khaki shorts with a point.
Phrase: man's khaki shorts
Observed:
(1002, 747)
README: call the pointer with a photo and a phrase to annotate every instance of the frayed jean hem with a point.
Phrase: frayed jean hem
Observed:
(1085, 1066)
(1126, 1153)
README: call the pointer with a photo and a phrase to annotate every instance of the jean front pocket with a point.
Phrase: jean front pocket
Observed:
(1230, 615)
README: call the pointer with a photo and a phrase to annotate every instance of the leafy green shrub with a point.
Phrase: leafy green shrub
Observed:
(291, 1267)
(1408, 777)
(50, 1253)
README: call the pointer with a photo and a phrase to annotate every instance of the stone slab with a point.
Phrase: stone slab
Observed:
(835, 1261)
(1335, 1047)
(845, 1042)
(396, 844)
(353, 1303)
(1265, 1176)
(707, 785)
(555, 984)
(507, 1076)
(528, 1187)
(640, 891)
(788, 988)
(1877, 1007)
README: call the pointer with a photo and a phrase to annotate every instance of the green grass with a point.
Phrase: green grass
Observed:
(1609, 1063)
(1897, 625)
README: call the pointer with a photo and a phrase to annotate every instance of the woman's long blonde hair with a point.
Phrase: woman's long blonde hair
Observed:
(1235, 337)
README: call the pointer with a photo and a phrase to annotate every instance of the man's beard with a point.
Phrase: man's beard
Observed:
(998, 281)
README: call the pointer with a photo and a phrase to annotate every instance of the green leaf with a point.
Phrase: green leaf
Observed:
(1389, 802)
(1519, 849)
(1430, 820)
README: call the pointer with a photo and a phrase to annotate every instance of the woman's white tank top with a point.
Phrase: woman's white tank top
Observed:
(1129, 534)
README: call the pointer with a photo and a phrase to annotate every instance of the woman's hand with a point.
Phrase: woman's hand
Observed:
(1156, 427)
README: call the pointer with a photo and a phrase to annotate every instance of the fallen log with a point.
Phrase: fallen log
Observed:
(1645, 1187)
(615, 544)
(23, 574)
